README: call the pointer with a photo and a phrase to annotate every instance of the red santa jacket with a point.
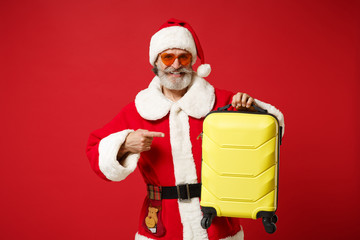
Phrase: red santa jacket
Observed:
(172, 160)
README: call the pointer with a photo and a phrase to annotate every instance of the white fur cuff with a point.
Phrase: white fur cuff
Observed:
(108, 163)
(272, 110)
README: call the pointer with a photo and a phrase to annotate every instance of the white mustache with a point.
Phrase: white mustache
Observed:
(179, 70)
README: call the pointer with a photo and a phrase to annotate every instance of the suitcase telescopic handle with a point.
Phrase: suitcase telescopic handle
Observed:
(258, 109)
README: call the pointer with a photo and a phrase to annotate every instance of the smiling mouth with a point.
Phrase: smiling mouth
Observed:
(176, 74)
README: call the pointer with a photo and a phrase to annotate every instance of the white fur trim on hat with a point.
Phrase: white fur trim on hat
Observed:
(108, 163)
(172, 37)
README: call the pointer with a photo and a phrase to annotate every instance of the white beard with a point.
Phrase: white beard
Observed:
(179, 83)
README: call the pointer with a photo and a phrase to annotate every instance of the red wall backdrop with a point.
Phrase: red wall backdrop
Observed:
(67, 67)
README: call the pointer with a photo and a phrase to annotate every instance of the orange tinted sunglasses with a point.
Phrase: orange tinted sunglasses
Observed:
(169, 58)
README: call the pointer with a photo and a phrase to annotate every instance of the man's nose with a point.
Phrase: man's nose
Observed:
(176, 64)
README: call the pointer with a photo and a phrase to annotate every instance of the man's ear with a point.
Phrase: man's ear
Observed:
(155, 70)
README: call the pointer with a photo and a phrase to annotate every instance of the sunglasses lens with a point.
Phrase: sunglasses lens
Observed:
(167, 59)
(185, 59)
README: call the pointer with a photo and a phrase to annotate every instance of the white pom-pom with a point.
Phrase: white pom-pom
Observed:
(204, 70)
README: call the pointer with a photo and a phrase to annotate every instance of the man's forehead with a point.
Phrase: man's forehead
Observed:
(175, 51)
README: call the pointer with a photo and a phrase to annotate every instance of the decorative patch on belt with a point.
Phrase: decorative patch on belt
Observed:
(154, 192)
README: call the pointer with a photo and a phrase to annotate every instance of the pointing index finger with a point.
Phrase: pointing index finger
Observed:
(154, 134)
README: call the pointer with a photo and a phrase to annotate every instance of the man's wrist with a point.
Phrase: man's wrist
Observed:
(122, 154)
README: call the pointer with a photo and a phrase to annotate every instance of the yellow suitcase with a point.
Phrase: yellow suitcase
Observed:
(240, 165)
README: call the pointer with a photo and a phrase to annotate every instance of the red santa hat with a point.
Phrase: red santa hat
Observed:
(178, 34)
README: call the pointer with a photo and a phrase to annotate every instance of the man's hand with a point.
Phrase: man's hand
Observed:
(140, 140)
(242, 100)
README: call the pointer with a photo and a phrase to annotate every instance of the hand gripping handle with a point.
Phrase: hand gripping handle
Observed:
(255, 109)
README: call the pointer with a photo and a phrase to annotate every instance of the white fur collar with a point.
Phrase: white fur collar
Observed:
(198, 101)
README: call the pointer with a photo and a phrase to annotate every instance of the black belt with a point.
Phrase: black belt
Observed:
(181, 192)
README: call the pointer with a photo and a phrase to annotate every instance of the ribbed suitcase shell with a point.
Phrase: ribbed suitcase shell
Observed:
(240, 163)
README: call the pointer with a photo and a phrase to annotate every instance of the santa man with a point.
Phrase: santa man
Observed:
(158, 133)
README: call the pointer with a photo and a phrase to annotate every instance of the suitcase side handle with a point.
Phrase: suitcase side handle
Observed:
(257, 109)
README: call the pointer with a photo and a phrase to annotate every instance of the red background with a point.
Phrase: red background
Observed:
(67, 67)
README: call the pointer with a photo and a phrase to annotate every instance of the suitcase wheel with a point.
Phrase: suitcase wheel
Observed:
(269, 223)
(208, 215)
(274, 219)
(205, 222)
(270, 228)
